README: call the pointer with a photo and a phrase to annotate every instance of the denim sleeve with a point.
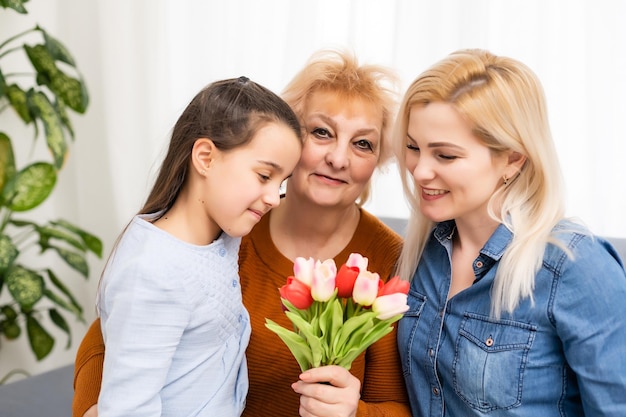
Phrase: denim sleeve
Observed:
(588, 308)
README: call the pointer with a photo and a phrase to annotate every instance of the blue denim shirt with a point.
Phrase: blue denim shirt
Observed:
(564, 355)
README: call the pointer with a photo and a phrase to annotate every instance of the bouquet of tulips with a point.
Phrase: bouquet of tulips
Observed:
(337, 314)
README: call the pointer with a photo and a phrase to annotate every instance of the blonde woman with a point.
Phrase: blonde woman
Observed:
(514, 309)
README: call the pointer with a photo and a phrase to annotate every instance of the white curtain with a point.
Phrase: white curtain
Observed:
(143, 60)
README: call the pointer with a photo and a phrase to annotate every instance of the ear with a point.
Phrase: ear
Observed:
(201, 154)
(515, 163)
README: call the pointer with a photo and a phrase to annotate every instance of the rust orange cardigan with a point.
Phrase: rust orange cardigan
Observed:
(271, 367)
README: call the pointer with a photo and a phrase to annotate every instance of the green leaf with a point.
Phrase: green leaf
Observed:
(29, 187)
(10, 328)
(19, 101)
(3, 84)
(64, 304)
(58, 319)
(40, 340)
(57, 50)
(60, 109)
(26, 286)
(8, 252)
(17, 5)
(92, 242)
(46, 233)
(70, 90)
(74, 259)
(9, 312)
(76, 308)
(296, 344)
(313, 338)
(52, 126)
(7, 160)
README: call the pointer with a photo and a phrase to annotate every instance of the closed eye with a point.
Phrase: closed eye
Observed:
(264, 178)
(412, 147)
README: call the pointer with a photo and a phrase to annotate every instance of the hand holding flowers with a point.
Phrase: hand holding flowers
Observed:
(337, 314)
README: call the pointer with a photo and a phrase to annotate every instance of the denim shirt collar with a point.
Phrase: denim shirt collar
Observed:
(489, 254)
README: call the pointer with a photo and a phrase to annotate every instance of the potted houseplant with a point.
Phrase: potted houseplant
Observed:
(32, 299)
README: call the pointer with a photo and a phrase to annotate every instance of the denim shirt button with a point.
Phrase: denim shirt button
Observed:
(479, 264)
(489, 342)
(431, 352)
(436, 391)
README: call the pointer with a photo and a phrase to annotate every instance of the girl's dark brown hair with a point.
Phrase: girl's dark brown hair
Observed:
(229, 112)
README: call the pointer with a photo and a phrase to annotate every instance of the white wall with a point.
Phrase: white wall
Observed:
(143, 60)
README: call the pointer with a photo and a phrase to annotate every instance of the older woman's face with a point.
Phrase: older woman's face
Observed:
(341, 149)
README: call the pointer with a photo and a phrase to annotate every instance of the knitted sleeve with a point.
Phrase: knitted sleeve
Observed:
(88, 370)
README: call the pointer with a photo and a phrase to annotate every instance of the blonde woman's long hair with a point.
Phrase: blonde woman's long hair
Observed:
(504, 102)
(339, 72)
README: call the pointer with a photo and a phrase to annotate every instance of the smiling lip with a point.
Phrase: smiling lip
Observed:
(330, 180)
(258, 214)
(430, 194)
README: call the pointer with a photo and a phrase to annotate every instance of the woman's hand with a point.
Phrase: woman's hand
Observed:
(92, 412)
(340, 398)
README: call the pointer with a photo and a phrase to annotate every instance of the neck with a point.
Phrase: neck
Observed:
(299, 228)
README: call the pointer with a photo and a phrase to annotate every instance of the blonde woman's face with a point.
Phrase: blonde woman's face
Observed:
(455, 174)
(341, 149)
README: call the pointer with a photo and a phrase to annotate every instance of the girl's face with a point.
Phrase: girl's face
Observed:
(341, 149)
(243, 184)
(455, 174)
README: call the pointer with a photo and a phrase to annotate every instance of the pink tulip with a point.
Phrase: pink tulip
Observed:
(394, 285)
(387, 306)
(357, 260)
(345, 280)
(297, 293)
(323, 284)
(366, 288)
(303, 270)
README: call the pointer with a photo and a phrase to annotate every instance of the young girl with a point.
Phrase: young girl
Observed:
(170, 304)
(515, 310)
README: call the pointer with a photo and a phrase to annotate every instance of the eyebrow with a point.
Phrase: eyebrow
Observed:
(438, 144)
(271, 164)
(332, 121)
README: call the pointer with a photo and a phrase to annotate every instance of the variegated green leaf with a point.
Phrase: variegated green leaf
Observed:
(57, 50)
(62, 303)
(7, 160)
(71, 90)
(17, 5)
(26, 286)
(29, 187)
(74, 259)
(52, 126)
(19, 101)
(8, 252)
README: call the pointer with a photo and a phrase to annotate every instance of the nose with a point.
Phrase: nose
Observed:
(338, 156)
(421, 170)
(271, 197)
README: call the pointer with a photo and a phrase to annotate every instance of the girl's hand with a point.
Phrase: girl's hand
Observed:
(340, 398)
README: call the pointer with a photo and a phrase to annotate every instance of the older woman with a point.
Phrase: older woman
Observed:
(346, 110)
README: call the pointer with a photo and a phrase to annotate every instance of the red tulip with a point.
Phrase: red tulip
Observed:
(344, 281)
(297, 293)
(395, 285)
